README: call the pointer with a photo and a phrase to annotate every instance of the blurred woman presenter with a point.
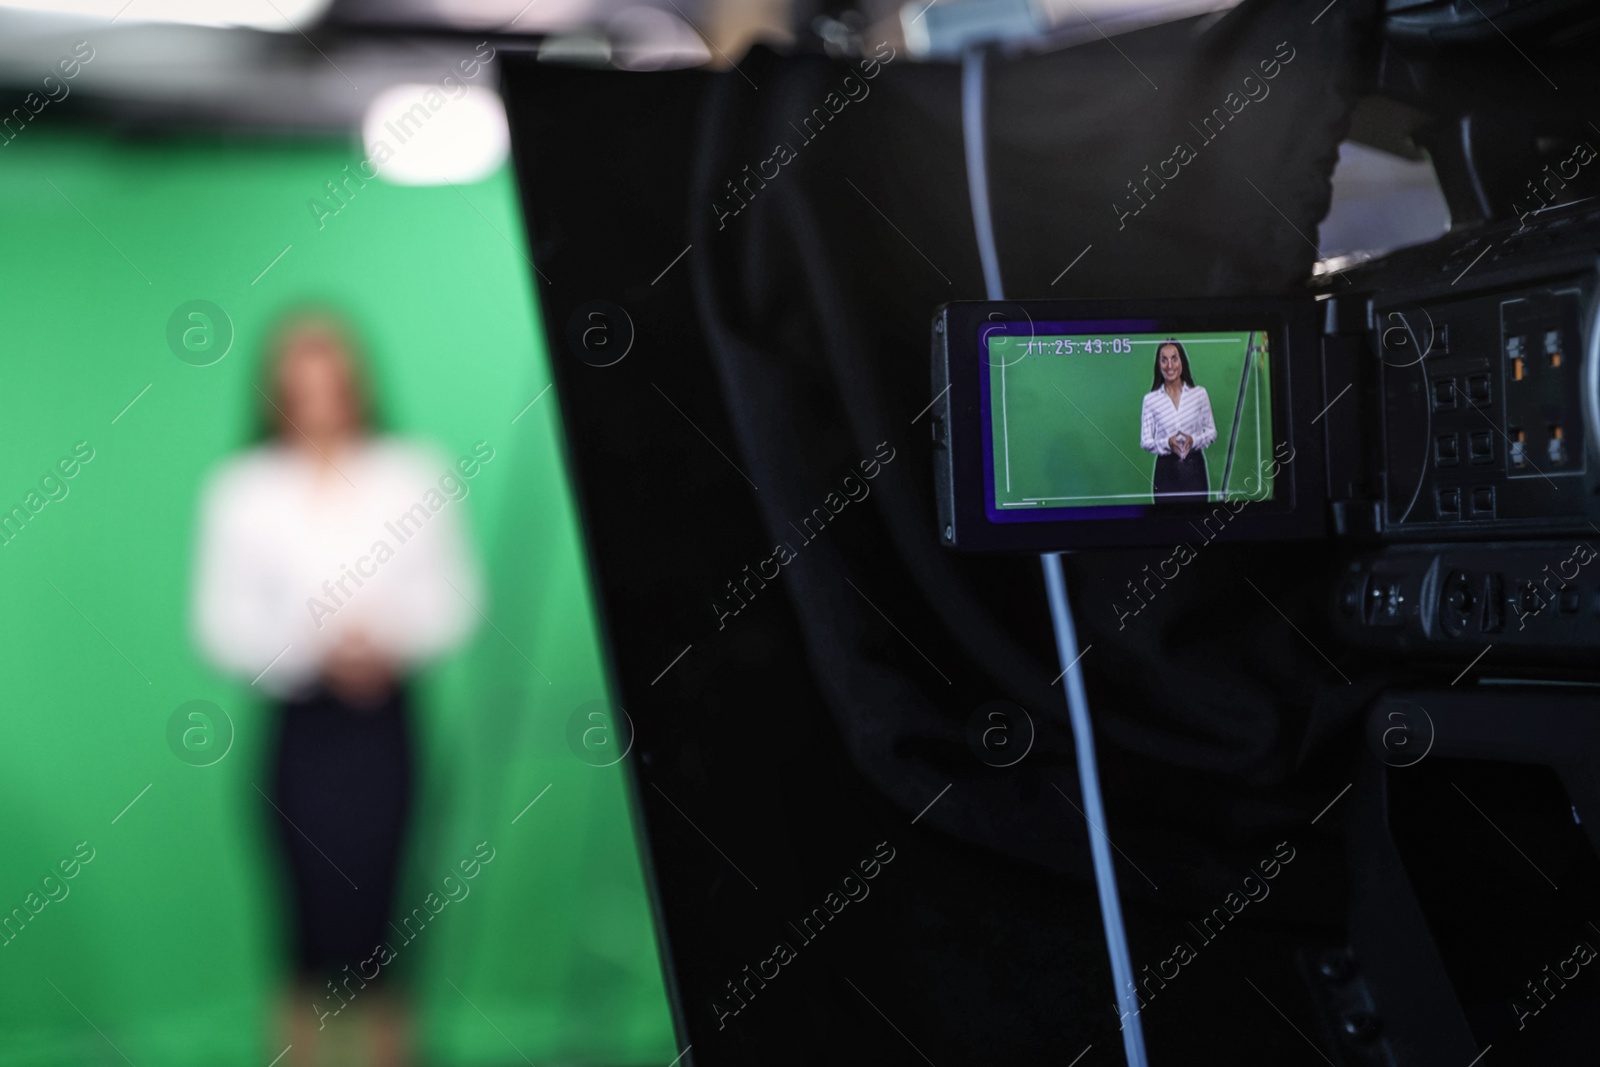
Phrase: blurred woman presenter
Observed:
(331, 568)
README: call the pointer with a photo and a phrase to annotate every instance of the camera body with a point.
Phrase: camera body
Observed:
(1438, 404)
(1470, 357)
(1442, 393)
(1475, 358)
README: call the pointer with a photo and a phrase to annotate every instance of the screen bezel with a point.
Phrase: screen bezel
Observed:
(1292, 355)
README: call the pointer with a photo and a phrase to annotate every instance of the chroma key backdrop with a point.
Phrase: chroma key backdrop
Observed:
(142, 912)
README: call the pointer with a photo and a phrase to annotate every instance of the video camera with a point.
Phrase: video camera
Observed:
(1441, 400)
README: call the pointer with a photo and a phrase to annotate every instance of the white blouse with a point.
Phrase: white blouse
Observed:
(292, 556)
(1160, 420)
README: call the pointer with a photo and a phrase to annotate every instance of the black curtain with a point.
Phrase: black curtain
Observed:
(837, 664)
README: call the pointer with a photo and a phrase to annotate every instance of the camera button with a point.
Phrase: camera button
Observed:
(1449, 501)
(1478, 388)
(1493, 618)
(1444, 393)
(1480, 446)
(1447, 450)
(1483, 502)
(1354, 591)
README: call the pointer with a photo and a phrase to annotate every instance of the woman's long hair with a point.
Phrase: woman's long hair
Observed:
(1156, 381)
(312, 318)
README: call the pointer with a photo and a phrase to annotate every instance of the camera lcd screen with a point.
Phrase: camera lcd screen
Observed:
(1109, 419)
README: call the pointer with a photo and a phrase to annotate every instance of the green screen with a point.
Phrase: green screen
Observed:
(1064, 416)
(168, 946)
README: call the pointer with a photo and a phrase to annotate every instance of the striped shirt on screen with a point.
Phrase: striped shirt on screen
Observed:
(1160, 420)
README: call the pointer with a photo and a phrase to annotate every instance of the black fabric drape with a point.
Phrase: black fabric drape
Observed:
(815, 288)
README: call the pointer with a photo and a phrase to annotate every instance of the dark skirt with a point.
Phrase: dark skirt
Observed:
(342, 783)
(1187, 476)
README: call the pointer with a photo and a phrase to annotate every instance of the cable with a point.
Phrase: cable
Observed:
(978, 168)
(1105, 875)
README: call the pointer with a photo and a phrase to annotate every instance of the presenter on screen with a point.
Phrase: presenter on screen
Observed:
(1176, 425)
(330, 571)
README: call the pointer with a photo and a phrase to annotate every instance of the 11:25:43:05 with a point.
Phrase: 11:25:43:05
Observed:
(1069, 346)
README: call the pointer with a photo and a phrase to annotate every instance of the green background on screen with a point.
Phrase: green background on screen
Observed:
(1073, 420)
(169, 941)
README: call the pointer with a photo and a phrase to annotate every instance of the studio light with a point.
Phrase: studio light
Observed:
(435, 133)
